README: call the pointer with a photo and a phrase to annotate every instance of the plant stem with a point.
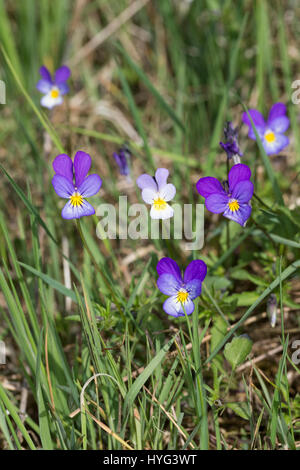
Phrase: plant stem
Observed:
(106, 282)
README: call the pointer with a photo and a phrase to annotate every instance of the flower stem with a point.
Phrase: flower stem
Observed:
(102, 275)
(261, 201)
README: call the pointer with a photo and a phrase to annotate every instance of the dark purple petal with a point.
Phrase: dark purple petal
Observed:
(239, 172)
(277, 110)
(280, 124)
(277, 145)
(90, 186)
(161, 176)
(209, 185)
(240, 216)
(62, 74)
(146, 181)
(45, 74)
(216, 203)
(71, 212)
(258, 121)
(243, 191)
(122, 159)
(62, 186)
(82, 165)
(63, 166)
(169, 266)
(256, 117)
(197, 269)
(168, 284)
(44, 86)
(194, 288)
(63, 88)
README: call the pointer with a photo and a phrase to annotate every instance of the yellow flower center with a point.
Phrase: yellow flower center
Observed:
(182, 295)
(270, 136)
(159, 204)
(54, 93)
(233, 205)
(76, 199)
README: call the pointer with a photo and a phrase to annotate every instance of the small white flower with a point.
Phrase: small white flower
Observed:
(157, 192)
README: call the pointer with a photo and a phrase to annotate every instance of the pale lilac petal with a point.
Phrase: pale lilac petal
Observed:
(63, 88)
(216, 203)
(71, 212)
(277, 110)
(62, 186)
(163, 214)
(194, 288)
(62, 74)
(168, 284)
(239, 172)
(209, 185)
(48, 102)
(277, 145)
(197, 269)
(240, 216)
(45, 74)
(44, 86)
(168, 192)
(82, 165)
(63, 165)
(243, 191)
(280, 124)
(148, 195)
(161, 176)
(172, 307)
(169, 266)
(189, 306)
(146, 181)
(90, 186)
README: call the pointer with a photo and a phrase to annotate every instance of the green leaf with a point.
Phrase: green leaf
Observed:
(237, 351)
(284, 275)
(144, 376)
(51, 282)
(240, 409)
(27, 203)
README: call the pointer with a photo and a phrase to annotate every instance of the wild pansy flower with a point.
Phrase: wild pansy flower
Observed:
(85, 186)
(182, 290)
(158, 193)
(53, 89)
(122, 159)
(233, 198)
(272, 131)
(231, 145)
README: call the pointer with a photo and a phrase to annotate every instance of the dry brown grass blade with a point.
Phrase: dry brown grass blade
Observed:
(108, 31)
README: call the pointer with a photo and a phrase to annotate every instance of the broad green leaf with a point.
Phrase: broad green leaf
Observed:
(237, 350)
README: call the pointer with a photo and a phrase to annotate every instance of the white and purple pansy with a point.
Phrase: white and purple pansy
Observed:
(84, 186)
(53, 89)
(233, 200)
(181, 290)
(272, 131)
(157, 192)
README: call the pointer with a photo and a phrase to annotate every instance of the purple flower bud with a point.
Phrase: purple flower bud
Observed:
(231, 145)
(122, 159)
